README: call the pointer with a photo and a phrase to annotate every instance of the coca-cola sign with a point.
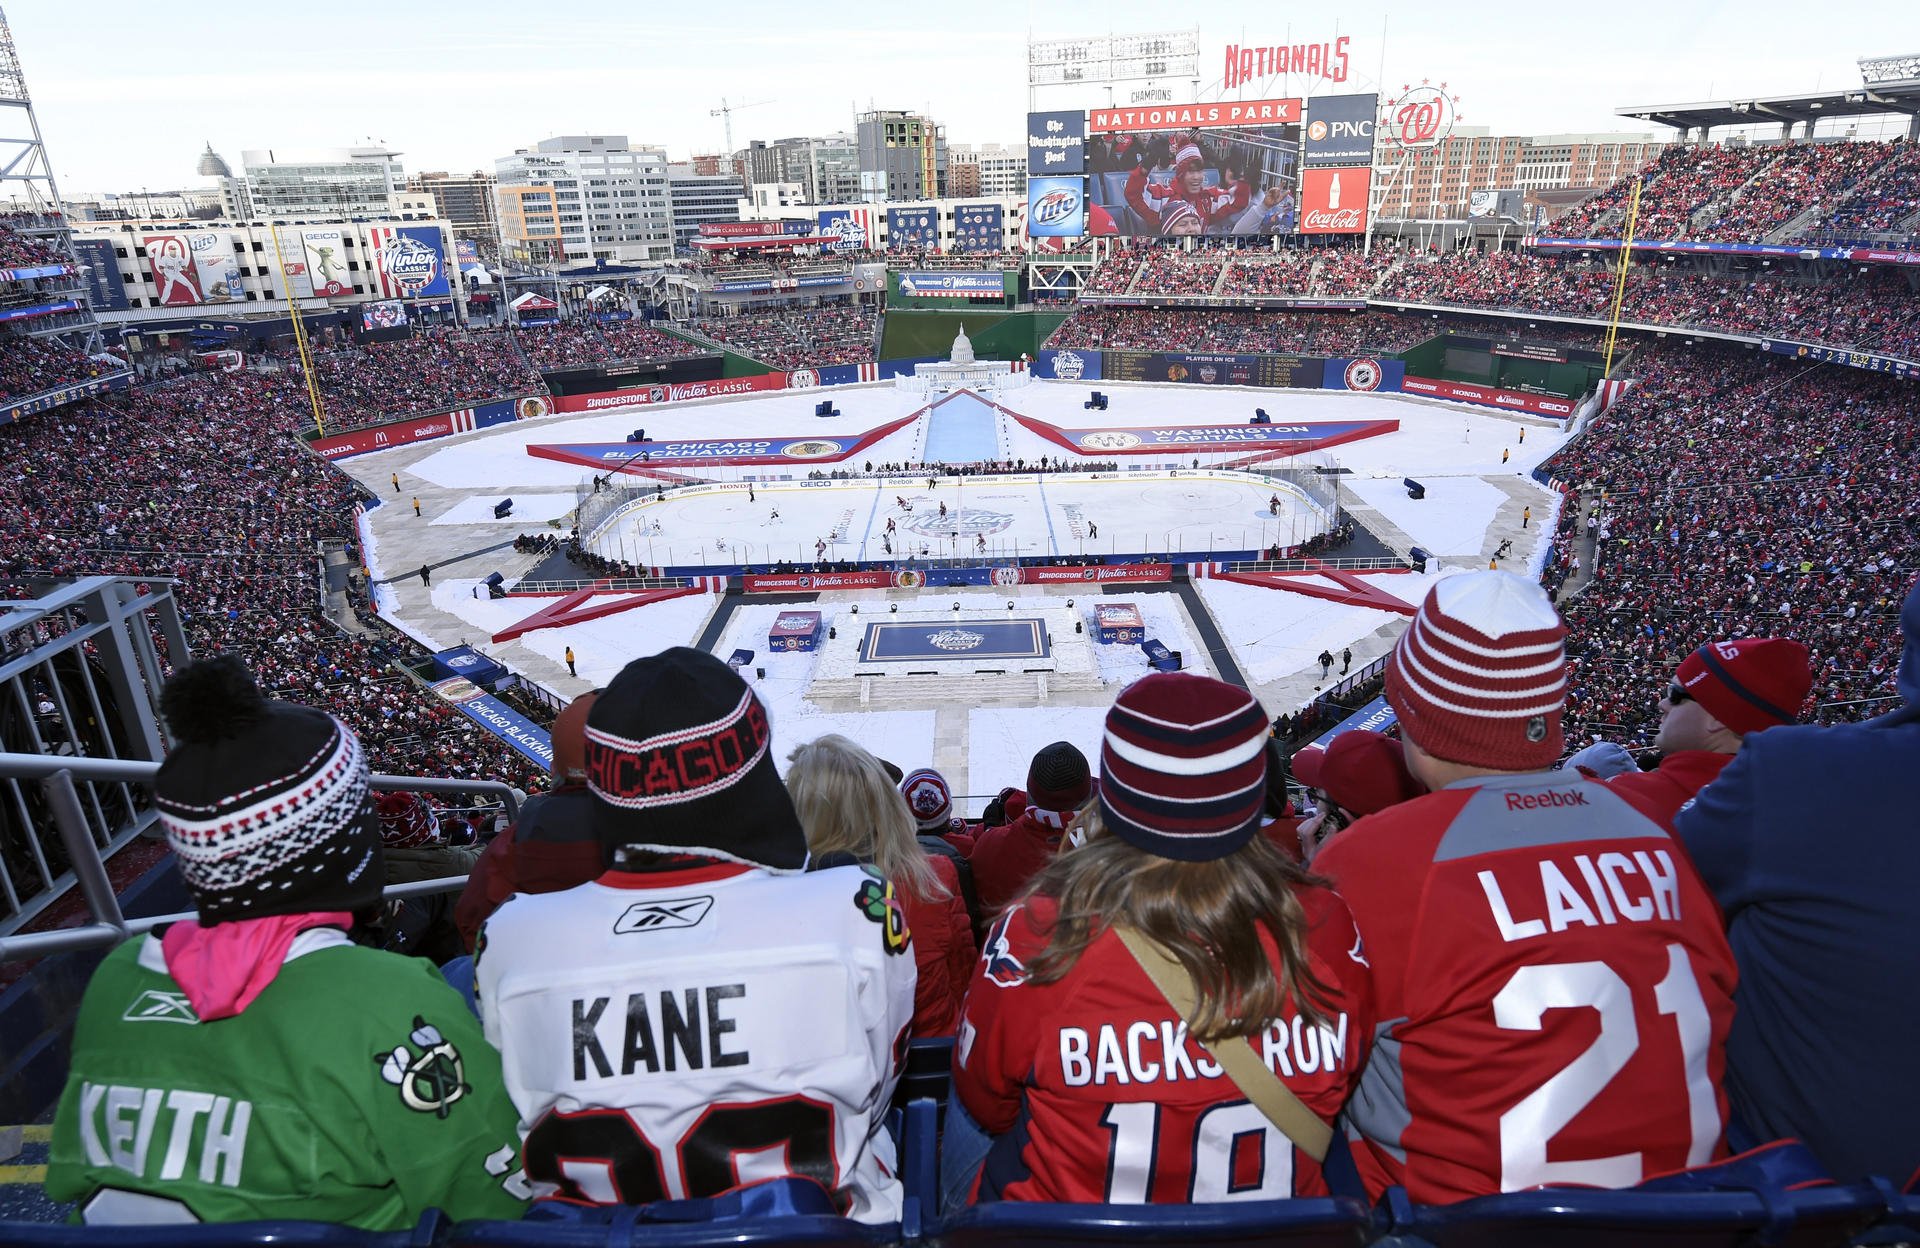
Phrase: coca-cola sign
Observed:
(1334, 201)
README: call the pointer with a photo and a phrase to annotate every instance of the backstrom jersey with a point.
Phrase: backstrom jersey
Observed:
(1096, 1093)
(1553, 984)
(680, 1033)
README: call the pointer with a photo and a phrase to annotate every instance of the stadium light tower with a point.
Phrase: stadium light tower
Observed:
(23, 157)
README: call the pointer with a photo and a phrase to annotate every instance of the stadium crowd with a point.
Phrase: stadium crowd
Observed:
(797, 337)
(195, 479)
(1310, 333)
(1730, 497)
(23, 251)
(427, 372)
(29, 366)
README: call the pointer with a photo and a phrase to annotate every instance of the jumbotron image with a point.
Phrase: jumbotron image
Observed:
(1306, 653)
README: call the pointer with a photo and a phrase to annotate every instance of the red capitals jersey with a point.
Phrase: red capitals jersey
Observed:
(1553, 986)
(1096, 1093)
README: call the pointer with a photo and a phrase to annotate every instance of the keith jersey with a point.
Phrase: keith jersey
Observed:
(680, 1033)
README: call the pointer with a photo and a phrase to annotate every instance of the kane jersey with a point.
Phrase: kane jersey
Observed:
(680, 1033)
(1553, 985)
(1094, 1091)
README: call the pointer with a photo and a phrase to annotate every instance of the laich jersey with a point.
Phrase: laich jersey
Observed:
(1553, 984)
(679, 1033)
(1094, 1091)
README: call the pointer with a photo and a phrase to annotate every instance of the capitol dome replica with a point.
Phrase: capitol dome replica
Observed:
(962, 371)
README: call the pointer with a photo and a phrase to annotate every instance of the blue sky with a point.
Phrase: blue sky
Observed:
(127, 93)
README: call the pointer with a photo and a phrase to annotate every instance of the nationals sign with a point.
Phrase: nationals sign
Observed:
(1422, 117)
(1334, 201)
(1189, 116)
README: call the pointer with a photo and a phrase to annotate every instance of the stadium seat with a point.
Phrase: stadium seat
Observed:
(929, 1072)
(430, 1232)
(1900, 1224)
(1311, 1222)
(755, 1215)
(1639, 1218)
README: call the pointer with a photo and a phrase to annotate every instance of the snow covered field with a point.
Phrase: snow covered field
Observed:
(1273, 636)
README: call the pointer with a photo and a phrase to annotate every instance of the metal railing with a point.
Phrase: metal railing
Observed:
(1371, 564)
(60, 779)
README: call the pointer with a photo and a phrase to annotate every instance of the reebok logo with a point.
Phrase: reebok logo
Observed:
(658, 916)
(155, 1006)
(1541, 801)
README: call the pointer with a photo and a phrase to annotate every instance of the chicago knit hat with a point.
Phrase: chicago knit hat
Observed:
(1183, 769)
(406, 821)
(1363, 772)
(1058, 778)
(677, 756)
(267, 805)
(929, 798)
(1749, 684)
(1480, 676)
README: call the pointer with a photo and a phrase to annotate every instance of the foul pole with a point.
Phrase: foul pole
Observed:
(1620, 277)
(300, 337)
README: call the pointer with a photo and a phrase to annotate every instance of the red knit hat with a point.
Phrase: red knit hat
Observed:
(1183, 770)
(1362, 771)
(1480, 676)
(1749, 684)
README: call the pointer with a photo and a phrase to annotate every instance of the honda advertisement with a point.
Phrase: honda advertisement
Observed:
(1334, 201)
(1340, 130)
(1489, 396)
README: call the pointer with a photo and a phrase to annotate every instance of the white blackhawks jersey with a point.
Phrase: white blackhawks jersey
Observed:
(679, 1033)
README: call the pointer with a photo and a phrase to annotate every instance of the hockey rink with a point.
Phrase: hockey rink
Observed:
(987, 517)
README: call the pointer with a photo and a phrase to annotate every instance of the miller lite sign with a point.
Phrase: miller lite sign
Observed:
(1334, 201)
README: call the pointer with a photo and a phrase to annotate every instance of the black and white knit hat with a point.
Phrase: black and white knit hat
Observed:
(677, 754)
(1183, 769)
(267, 805)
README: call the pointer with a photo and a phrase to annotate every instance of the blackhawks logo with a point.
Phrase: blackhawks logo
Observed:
(431, 1080)
(877, 900)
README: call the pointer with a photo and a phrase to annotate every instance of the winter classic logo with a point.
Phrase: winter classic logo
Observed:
(1068, 366)
(410, 263)
(956, 639)
(1362, 375)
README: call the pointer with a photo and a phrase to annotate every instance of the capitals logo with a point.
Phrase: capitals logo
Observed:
(1002, 968)
(1362, 375)
(412, 264)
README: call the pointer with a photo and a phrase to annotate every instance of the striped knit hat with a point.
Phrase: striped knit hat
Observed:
(1183, 771)
(1189, 153)
(930, 799)
(267, 805)
(1480, 676)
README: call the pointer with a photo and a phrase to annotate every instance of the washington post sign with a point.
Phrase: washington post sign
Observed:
(1056, 143)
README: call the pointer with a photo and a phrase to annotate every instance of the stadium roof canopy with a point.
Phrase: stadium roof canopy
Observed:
(1892, 86)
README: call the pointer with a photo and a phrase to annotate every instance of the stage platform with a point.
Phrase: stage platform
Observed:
(957, 654)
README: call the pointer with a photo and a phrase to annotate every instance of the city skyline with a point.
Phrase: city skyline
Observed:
(497, 84)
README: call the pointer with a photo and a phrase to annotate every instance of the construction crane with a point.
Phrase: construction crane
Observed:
(727, 111)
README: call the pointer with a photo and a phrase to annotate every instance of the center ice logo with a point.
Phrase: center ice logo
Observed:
(966, 522)
(956, 639)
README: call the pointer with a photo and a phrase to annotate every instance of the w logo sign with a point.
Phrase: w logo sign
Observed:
(656, 916)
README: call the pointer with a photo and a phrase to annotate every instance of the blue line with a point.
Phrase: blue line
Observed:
(1046, 513)
(871, 513)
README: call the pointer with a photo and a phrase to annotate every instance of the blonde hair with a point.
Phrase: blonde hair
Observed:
(1205, 914)
(847, 804)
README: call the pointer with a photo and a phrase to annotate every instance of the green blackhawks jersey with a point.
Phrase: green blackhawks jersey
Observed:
(357, 1088)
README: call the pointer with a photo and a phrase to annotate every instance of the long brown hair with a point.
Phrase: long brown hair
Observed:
(847, 804)
(1205, 914)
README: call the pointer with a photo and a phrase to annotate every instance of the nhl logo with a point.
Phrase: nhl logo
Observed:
(1362, 375)
(656, 394)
